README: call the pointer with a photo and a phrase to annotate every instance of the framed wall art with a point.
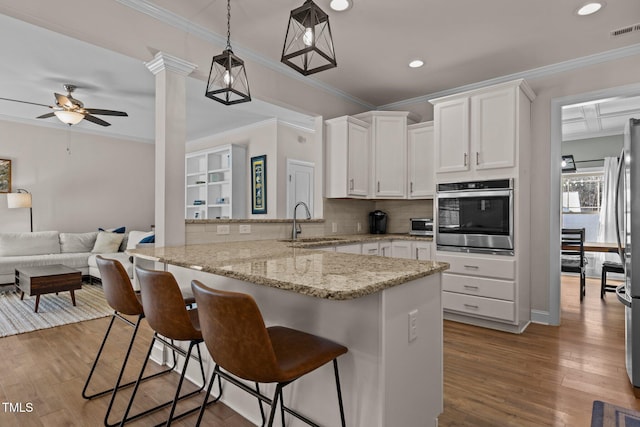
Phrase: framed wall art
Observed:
(259, 184)
(5, 176)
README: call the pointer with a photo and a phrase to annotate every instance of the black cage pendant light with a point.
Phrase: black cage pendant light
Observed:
(228, 82)
(308, 45)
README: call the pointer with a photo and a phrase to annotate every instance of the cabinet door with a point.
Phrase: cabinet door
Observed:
(370, 248)
(422, 250)
(385, 249)
(349, 249)
(451, 134)
(493, 129)
(358, 160)
(390, 145)
(420, 162)
(402, 249)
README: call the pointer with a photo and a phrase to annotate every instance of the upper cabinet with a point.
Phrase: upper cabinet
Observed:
(479, 131)
(347, 154)
(388, 135)
(420, 161)
(377, 155)
(215, 183)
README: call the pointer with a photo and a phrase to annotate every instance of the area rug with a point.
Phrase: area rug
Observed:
(607, 415)
(17, 317)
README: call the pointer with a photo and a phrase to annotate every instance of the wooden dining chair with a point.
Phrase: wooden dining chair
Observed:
(572, 255)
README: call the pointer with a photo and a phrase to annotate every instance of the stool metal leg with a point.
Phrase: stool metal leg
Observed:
(335, 370)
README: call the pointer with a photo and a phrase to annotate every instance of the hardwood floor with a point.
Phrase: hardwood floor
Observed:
(548, 376)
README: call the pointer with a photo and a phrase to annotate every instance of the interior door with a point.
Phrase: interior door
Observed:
(300, 177)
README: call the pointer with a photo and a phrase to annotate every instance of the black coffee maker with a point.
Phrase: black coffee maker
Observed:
(377, 222)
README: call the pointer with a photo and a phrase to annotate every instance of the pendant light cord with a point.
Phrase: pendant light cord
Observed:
(229, 24)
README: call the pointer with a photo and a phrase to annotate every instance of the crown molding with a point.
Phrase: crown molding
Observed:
(165, 62)
(534, 73)
(177, 21)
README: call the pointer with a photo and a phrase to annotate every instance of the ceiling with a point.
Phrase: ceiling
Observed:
(598, 118)
(462, 43)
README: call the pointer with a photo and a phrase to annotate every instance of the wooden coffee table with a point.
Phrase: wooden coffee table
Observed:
(47, 279)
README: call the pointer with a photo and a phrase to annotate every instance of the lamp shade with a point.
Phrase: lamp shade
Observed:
(69, 117)
(308, 45)
(18, 200)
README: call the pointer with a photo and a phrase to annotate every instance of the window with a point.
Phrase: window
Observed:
(582, 192)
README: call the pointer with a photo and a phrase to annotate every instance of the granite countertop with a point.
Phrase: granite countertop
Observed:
(297, 266)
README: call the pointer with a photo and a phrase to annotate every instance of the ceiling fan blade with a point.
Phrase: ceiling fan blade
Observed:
(106, 112)
(96, 120)
(63, 101)
(46, 116)
(26, 102)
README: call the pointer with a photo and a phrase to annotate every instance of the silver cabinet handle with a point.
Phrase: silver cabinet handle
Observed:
(378, 186)
(417, 255)
(475, 267)
(471, 306)
(411, 187)
(351, 184)
(477, 158)
(475, 288)
(465, 159)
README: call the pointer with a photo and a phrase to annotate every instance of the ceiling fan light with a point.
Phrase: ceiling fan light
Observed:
(69, 117)
(308, 44)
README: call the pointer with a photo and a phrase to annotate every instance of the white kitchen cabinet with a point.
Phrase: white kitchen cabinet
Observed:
(384, 248)
(423, 251)
(352, 248)
(484, 290)
(370, 248)
(402, 249)
(388, 136)
(215, 181)
(479, 131)
(347, 152)
(421, 161)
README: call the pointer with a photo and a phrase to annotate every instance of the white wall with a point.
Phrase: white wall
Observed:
(79, 182)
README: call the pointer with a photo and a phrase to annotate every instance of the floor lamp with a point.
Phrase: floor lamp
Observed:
(21, 199)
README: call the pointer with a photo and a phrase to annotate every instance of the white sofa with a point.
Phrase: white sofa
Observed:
(75, 250)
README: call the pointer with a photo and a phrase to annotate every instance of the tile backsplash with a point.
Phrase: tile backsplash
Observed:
(341, 215)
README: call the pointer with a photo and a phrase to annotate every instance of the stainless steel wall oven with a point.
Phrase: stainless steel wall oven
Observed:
(475, 216)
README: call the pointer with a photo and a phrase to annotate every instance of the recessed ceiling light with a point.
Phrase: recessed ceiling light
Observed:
(416, 63)
(589, 9)
(340, 5)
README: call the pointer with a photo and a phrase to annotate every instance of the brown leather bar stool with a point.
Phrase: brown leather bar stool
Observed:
(168, 316)
(239, 342)
(609, 267)
(124, 301)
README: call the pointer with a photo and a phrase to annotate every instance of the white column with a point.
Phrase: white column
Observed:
(171, 136)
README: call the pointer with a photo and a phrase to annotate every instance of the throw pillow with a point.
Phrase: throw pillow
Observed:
(119, 230)
(77, 242)
(149, 239)
(107, 242)
(136, 237)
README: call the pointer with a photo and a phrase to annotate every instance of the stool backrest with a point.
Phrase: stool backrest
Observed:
(164, 305)
(117, 287)
(235, 334)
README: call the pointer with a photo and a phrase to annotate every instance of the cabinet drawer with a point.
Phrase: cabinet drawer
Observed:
(500, 267)
(479, 306)
(479, 286)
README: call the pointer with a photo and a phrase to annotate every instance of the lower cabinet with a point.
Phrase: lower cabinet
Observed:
(354, 248)
(407, 249)
(483, 290)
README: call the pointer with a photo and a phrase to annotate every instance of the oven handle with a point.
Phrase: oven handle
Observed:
(474, 193)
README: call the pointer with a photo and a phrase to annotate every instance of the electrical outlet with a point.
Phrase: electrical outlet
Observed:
(222, 229)
(413, 325)
(334, 227)
(245, 228)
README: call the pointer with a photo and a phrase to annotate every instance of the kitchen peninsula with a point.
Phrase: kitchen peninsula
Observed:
(387, 311)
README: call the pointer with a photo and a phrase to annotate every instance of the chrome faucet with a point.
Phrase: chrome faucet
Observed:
(296, 227)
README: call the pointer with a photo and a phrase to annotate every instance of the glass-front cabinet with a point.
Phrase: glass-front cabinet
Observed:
(216, 183)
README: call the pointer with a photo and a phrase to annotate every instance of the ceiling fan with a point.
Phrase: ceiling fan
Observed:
(71, 111)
